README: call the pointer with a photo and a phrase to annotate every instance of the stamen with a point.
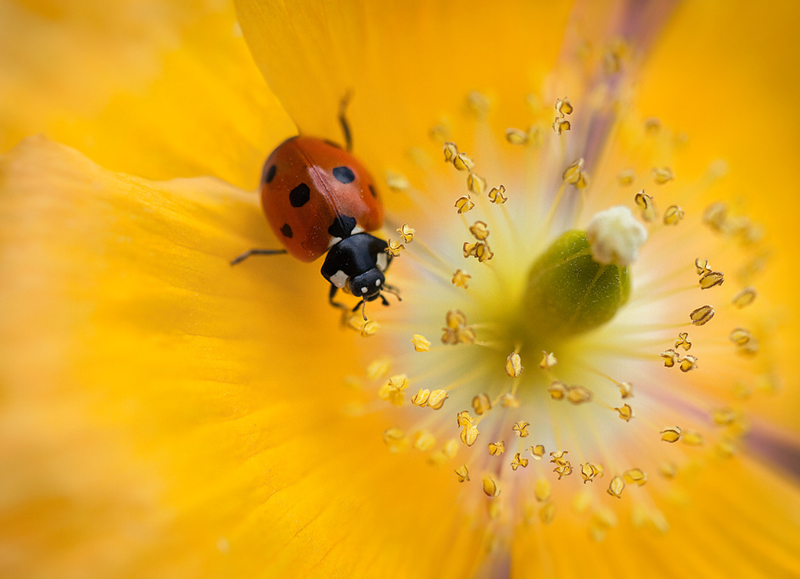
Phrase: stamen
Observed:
(625, 412)
(702, 315)
(662, 175)
(521, 428)
(497, 195)
(671, 434)
(616, 487)
(497, 448)
(516, 136)
(420, 343)
(461, 279)
(490, 487)
(513, 365)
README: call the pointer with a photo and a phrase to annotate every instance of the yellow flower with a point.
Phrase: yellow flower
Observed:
(165, 414)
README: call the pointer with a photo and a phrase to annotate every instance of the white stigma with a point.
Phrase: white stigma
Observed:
(615, 236)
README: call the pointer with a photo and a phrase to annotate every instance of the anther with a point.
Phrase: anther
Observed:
(497, 448)
(673, 215)
(683, 341)
(626, 177)
(513, 365)
(490, 487)
(541, 490)
(462, 162)
(625, 389)
(476, 184)
(423, 441)
(519, 462)
(406, 233)
(394, 248)
(548, 361)
(688, 362)
(563, 470)
(702, 315)
(671, 434)
(692, 438)
(537, 451)
(392, 391)
(481, 404)
(616, 487)
(464, 204)
(463, 418)
(450, 152)
(635, 475)
(461, 279)
(521, 428)
(437, 398)
(420, 343)
(497, 195)
(396, 440)
(572, 174)
(508, 400)
(557, 390)
(563, 107)
(670, 357)
(516, 136)
(711, 279)
(421, 397)
(396, 181)
(463, 473)
(645, 203)
(701, 265)
(745, 297)
(560, 125)
(469, 434)
(479, 230)
(662, 175)
(625, 412)
(579, 395)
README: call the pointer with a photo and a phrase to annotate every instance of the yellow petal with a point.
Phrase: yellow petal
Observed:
(403, 63)
(151, 390)
(140, 86)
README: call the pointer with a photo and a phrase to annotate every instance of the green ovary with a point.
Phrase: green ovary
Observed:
(568, 292)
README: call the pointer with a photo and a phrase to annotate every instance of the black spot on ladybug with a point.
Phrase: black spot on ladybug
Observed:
(344, 175)
(286, 230)
(300, 195)
(342, 226)
(372, 190)
(271, 173)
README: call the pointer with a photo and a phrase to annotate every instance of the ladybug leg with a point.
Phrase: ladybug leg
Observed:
(348, 137)
(384, 301)
(341, 306)
(250, 252)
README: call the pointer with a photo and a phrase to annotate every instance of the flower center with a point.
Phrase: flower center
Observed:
(534, 302)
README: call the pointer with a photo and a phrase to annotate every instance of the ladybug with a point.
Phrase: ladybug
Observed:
(319, 198)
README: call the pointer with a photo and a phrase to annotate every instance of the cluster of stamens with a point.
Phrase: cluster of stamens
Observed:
(500, 411)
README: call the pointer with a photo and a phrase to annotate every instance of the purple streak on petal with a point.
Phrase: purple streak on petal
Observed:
(778, 449)
(640, 24)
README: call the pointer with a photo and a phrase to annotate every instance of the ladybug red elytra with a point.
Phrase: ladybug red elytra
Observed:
(319, 198)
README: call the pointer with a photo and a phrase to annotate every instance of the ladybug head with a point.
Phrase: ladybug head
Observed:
(367, 285)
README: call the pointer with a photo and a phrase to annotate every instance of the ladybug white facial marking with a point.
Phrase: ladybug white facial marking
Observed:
(339, 279)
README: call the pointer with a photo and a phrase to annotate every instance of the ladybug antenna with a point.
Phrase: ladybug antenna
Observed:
(390, 289)
(363, 304)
